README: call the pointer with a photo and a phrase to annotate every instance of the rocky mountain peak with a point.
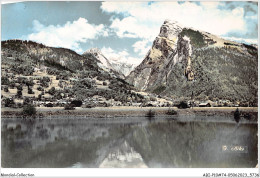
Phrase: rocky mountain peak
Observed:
(170, 29)
(182, 61)
(104, 63)
(169, 48)
(121, 68)
(93, 51)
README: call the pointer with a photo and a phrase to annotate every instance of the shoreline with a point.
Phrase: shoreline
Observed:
(130, 111)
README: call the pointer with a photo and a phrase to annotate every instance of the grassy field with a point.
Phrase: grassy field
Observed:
(132, 111)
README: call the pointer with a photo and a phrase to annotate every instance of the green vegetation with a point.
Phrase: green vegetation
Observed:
(29, 110)
(6, 89)
(69, 107)
(183, 105)
(171, 112)
(76, 75)
(251, 50)
(52, 91)
(220, 74)
(158, 90)
(197, 39)
(8, 102)
(76, 103)
(4, 80)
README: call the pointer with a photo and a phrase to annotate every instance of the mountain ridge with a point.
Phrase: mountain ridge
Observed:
(183, 61)
(121, 68)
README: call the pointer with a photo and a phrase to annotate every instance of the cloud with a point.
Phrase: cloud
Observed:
(243, 40)
(69, 35)
(142, 47)
(143, 19)
(9, 2)
(120, 56)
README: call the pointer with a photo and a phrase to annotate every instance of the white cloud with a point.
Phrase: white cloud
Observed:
(243, 40)
(144, 21)
(142, 47)
(9, 2)
(132, 27)
(254, 17)
(69, 35)
(209, 5)
(120, 56)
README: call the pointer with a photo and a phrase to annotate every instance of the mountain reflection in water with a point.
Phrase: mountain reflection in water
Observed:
(55, 143)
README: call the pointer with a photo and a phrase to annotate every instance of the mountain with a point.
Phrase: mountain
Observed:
(187, 63)
(42, 73)
(123, 67)
(116, 66)
(102, 61)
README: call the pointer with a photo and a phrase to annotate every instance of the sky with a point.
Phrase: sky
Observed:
(123, 30)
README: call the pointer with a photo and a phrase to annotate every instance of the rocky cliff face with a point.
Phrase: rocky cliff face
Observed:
(184, 62)
(122, 67)
(168, 49)
(103, 62)
(116, 67)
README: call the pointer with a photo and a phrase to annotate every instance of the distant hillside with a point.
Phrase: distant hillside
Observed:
(42, 73)
(102, 61)
(117, 67)
(190, 64)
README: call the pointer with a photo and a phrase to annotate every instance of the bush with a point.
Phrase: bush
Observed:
(183, 105)
(27, 101)
(20, 87)
(8, 102)
(29, 82)
(159, 89)
(89, 105)
(76, 103)
(4, 81)
(39, 88)
(30, 91)
(69, 107)
(29, 110)
(52, 91)
(49, 105)
(171, 112)
(19, 93)
(40, 97)
(6, 89)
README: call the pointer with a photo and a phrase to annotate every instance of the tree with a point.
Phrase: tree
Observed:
(40, 88)
(183, 105)
(9, 102)
(30, 91)
(29, 110)
(20, 87)
(19, 93)
(52, 91)
(27, 101)
(76, 103)
(39, 97)
(4, 80)
(6, 89)
(69, 107)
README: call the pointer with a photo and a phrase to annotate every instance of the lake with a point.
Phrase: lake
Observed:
(163, 142)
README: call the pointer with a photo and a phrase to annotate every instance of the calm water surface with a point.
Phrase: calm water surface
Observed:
(121, 142)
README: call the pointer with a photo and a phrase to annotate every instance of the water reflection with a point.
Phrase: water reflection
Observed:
(125, 143)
